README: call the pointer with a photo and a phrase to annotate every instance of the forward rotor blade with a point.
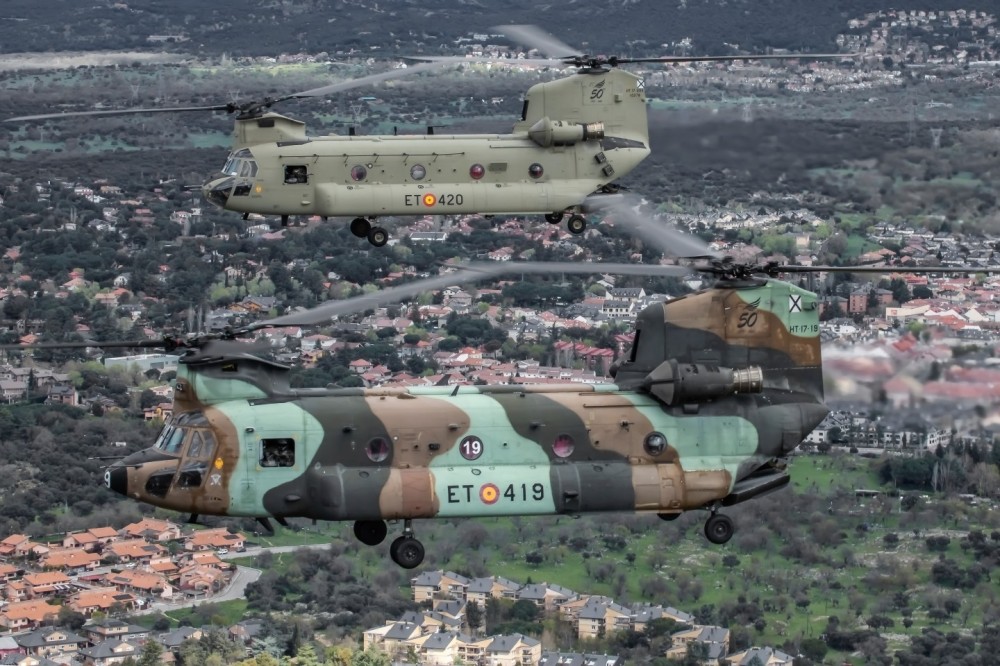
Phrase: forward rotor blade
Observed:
(118, 112)
(124, 344)
(536, 38)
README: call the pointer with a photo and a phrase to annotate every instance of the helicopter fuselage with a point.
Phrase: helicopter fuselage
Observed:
(357, 454)
(374, 176)
(575, 137)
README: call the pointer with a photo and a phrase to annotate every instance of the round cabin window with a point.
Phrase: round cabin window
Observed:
(477, 171)
(536, 170)
(417, 172)
(358, 173)
(563, 445)
(378, 449)
(655, 443)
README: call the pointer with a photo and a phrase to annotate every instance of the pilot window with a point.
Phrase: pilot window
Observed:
(277, 452)
(296, 173)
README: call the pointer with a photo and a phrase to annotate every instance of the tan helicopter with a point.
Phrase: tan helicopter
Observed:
(577, 135)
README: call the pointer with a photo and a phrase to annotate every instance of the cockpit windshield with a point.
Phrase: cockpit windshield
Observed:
(241, 163)
(178, 431)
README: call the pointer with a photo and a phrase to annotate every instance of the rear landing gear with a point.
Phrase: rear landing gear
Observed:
(406, 550)
(577, 224)
(719, 528)
(378, 236)
(362, 228)
(370, 532)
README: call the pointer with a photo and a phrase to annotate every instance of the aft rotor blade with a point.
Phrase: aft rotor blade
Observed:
(728, 58)
(964, 270)
(536, 38)
(472, 272)
(662, 235)
(119, 112)
(397, 73)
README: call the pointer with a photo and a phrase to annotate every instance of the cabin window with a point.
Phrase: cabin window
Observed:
(358, 173)
(296, 173)
(563, 445)
(536, 170)
(418, 172)
(191, 476)
(277, 452)
(655, 443)
(377, 449)
(477, 171)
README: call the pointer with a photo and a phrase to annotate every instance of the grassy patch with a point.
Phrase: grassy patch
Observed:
(224, 613)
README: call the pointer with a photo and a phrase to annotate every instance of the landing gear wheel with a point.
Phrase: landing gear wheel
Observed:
(719, 528)
(370, 532)
(553, 218)
(378, 236)
(407, 552)
(577, 224)
(668, 516)
(360, 227)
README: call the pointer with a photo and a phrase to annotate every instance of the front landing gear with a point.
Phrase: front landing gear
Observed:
(406, 550)
(362, 228)
(719, 528)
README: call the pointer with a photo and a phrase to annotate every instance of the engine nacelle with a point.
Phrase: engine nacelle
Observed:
(676, 384)
(547, 132)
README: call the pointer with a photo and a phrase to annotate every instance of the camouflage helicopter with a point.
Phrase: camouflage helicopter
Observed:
(576, 136)
(718, 389)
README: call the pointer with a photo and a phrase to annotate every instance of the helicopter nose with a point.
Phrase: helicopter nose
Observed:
(217, 191)
(116, 479)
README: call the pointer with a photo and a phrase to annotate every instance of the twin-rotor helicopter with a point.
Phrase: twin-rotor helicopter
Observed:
(703, 412)
(576, 137)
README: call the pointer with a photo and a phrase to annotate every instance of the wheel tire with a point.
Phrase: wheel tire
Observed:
(370, 532)
(360, 227)
(668, 516)
(577, 224)
(407, 552)
(378, 236)
(553, 218)
(719, 528)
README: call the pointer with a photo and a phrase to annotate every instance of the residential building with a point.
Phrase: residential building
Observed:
(50, 641)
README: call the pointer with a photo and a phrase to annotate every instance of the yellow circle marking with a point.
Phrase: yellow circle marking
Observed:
(218, 463)
(429, 200)
(489, 493)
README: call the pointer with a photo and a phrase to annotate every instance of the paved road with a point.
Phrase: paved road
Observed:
(237, 585)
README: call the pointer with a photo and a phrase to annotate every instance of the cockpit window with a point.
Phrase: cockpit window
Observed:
(242, 164)
(173, 443)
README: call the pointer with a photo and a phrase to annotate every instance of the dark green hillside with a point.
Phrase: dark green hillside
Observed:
(259, 27)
